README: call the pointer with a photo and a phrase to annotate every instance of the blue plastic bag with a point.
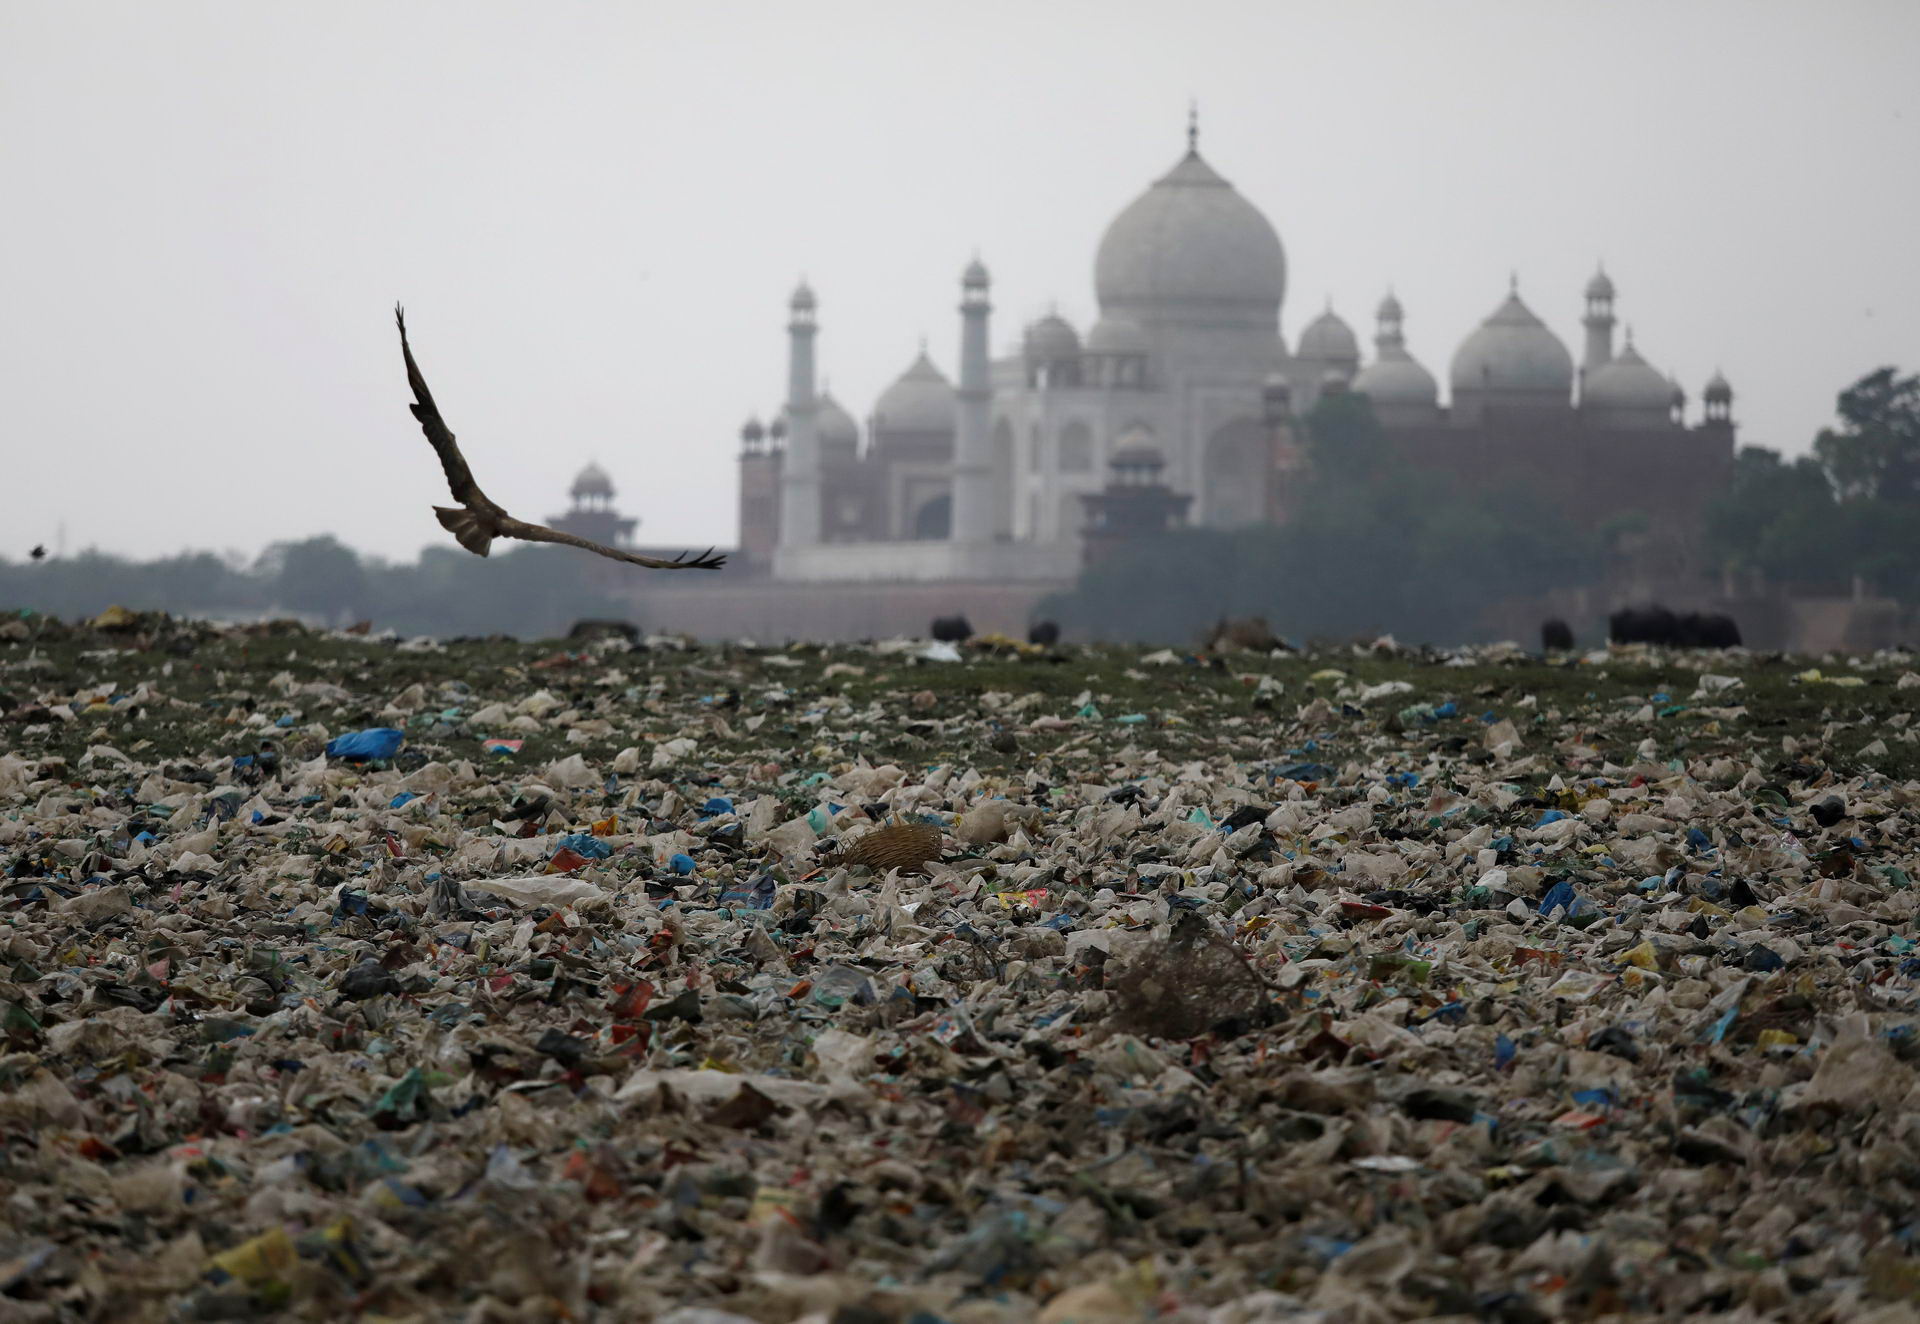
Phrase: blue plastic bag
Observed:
(376, 742)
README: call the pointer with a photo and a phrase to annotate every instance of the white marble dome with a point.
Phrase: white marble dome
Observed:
(1052, 339)
(921, 400)
(1513, 351)
(1191, 244)
(834, 425)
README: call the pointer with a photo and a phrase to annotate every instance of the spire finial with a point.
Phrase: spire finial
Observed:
(1513, 282)
(1193, 126)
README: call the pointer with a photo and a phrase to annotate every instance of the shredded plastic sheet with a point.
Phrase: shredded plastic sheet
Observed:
(1365, 984)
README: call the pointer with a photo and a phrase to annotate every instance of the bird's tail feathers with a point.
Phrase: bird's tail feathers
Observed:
(466, 527)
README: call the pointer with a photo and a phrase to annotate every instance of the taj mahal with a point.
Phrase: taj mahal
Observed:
(1183, 400)
(1185, 377)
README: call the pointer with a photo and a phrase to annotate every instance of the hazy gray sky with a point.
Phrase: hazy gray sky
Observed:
(595, 213)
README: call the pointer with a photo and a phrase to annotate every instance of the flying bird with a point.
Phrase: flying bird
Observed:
(477, 521)
(39, 552)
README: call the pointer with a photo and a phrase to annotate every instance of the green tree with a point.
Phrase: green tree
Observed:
(320, 575)
(1874, 455)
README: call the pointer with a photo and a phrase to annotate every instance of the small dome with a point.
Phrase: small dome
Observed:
(1277, 383)
(1137, 455)
(1389, 309)
(752, 431)
(1513, 351)
(1052, 339)
(1116, 335)
(1627, 381)
(802, 297)
(1718, 390)
(1191, 242)
(835, 426)
(592, 481)
(777, 430)
(1396, 378)
(1327, 339)
(1601, 286)
(975, 276)
(922, 400)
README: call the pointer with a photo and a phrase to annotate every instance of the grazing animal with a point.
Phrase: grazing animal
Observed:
(1651, 624)
(1654, 624)
(595, 629)
(1044, 633)
(477, 521)
(1249, 634)
(1710, 630)
(1556, 636)
(951, 629)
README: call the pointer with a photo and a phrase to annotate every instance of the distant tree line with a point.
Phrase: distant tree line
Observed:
(1849, 510)
(528, 591)
(1371, 548)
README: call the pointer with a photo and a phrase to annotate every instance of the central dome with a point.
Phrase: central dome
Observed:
(1191, 248)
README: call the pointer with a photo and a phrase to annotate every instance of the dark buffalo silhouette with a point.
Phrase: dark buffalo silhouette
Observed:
(1708, 630)
(1556, 636)
(1044, 633)
(605, 629)
(1654, 624)
(1650, 624)
(951, 629)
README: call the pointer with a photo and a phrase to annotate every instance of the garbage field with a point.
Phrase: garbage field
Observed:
(359, 978)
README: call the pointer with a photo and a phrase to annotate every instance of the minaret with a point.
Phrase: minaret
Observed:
(972, 459)
(1719, 400)
(800, 471)
(1391, 336)
(1599, 322)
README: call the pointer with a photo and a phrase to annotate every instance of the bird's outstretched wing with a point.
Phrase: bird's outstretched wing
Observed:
(459, 477)
(510, 527)
(480, 521)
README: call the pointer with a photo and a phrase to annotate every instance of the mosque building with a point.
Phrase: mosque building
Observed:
(1185, 378)
(592, 514)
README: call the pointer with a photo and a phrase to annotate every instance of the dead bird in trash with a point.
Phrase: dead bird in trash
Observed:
(477, 521)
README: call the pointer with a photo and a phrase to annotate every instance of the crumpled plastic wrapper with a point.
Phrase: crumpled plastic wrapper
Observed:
(1369, 983)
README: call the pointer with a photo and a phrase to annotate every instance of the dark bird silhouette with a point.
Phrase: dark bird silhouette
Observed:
(477, 521)
(39, 552)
